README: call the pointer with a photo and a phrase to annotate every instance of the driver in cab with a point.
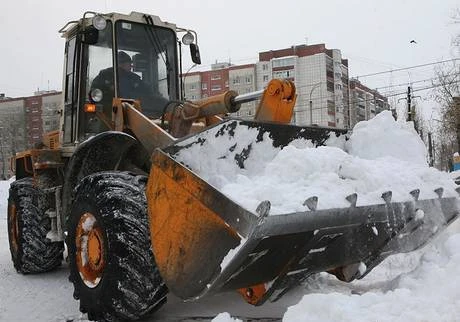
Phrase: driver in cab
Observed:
(130, 85)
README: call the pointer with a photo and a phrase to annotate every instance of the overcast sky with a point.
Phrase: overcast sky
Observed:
(374, 35)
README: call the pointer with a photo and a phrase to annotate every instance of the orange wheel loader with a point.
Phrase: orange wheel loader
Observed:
(138, 222)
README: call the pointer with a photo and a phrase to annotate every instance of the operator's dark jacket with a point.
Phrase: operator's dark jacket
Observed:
(131, 85)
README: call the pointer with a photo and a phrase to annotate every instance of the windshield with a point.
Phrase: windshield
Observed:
(145, 60)
(146, 57)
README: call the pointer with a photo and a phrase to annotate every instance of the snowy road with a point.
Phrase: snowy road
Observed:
(397, 287)
(48, 298)
(420, 286)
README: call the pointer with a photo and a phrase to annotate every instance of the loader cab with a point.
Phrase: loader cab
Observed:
(95, 73)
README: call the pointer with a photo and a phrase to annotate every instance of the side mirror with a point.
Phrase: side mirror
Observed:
(90, 35)
(195, 52)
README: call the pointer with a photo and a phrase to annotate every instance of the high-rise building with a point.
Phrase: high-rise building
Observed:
(321, 79)
(23, 121)
(221, 78)
(324, 93)
(13, 134)
(365, 103)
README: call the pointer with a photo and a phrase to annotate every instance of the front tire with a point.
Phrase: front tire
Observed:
(111, 261)
(28, 225)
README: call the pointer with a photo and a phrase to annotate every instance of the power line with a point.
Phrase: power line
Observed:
(406, 68)
(407, 83)
(355, 100)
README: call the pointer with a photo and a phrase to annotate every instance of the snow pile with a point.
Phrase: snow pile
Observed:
(383, 137)
(428, 293)
(4, 186)
(225, 317)
(419, 286)
(381, 155)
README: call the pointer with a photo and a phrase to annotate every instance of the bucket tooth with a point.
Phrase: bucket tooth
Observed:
(387, 196)
(263, 209)
(439, 192)
(458, 190)
(311, 203)
(415, 194)
(352, 199)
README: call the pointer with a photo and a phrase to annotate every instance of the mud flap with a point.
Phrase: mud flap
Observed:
(206, 243)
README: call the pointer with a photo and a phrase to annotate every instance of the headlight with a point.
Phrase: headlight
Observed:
(99, 22)
(96, 95)
(188, 38)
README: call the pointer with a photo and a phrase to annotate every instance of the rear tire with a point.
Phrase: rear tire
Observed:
(111, 261)
(28, 225)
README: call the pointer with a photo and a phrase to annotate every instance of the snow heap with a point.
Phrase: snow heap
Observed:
(380, 155)
(4, 186)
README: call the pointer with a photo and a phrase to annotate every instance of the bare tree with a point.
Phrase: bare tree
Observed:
(447, 93)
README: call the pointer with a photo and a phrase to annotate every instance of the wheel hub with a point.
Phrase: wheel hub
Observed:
(90, 257)
(14, 227)
(95, 249)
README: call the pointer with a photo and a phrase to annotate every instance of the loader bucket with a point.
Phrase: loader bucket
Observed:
(204, 242)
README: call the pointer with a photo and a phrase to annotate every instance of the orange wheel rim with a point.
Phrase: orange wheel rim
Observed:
(90, 256)
(14, 227)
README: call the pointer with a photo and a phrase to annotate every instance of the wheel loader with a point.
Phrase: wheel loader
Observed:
(139, 223)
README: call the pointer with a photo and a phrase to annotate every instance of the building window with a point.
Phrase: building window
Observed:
(216, 87)
(236, 80)
(264, 66)
(284, 74)
(265, 78)
(215, 76)
(331, 108)
(283, 62)
(204, 86)
(248, 79)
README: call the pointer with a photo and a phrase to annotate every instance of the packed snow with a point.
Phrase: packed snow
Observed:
(419, 286)
(381, 155)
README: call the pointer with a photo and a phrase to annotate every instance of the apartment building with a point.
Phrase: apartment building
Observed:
(242, 79)
(325, 94)
(365, 103)
(23, 121)
(321, 79)
(13, 134)
(222, 77)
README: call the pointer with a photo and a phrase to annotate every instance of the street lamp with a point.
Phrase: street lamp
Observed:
(311, 102)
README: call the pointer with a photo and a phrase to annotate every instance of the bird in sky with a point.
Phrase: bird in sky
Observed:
(413, 41)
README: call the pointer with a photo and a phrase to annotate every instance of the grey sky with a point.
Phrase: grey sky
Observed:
(373, 35)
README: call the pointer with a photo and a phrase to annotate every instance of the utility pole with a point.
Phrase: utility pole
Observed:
(430, 149)
(311, 102)
(411, 109)
(410, 116)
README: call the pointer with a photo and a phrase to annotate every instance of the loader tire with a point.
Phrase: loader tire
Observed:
(28, 225)
(111, 262)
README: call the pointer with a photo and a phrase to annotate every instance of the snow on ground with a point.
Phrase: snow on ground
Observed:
(420, 286)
